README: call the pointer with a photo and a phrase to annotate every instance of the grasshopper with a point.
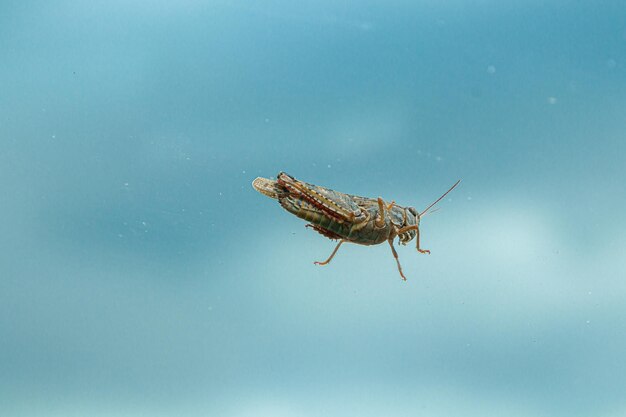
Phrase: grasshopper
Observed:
(346, 217)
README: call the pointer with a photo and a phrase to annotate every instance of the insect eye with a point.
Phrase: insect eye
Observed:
(413, 211)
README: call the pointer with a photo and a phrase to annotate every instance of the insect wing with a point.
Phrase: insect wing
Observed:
(335, 204)
(269, 188)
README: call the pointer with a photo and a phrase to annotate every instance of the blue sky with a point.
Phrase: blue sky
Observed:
(140, 274)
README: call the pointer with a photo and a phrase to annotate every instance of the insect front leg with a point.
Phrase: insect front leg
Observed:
(395, 255)
(331, 255)
(417, 236)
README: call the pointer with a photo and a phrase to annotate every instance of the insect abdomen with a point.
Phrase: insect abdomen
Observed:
(365, 233)
(310, 213)
(370, 234)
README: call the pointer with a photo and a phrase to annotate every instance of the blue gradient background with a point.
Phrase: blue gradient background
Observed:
(140, 274)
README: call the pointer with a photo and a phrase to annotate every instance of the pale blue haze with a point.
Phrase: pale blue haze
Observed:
(141, 275)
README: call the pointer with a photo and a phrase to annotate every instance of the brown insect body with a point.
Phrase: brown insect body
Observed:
(346, 217)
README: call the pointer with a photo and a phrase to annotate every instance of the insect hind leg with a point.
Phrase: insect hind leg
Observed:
(331, 255)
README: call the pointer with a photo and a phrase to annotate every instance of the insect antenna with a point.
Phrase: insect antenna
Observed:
(435, 210)
(439, 199)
